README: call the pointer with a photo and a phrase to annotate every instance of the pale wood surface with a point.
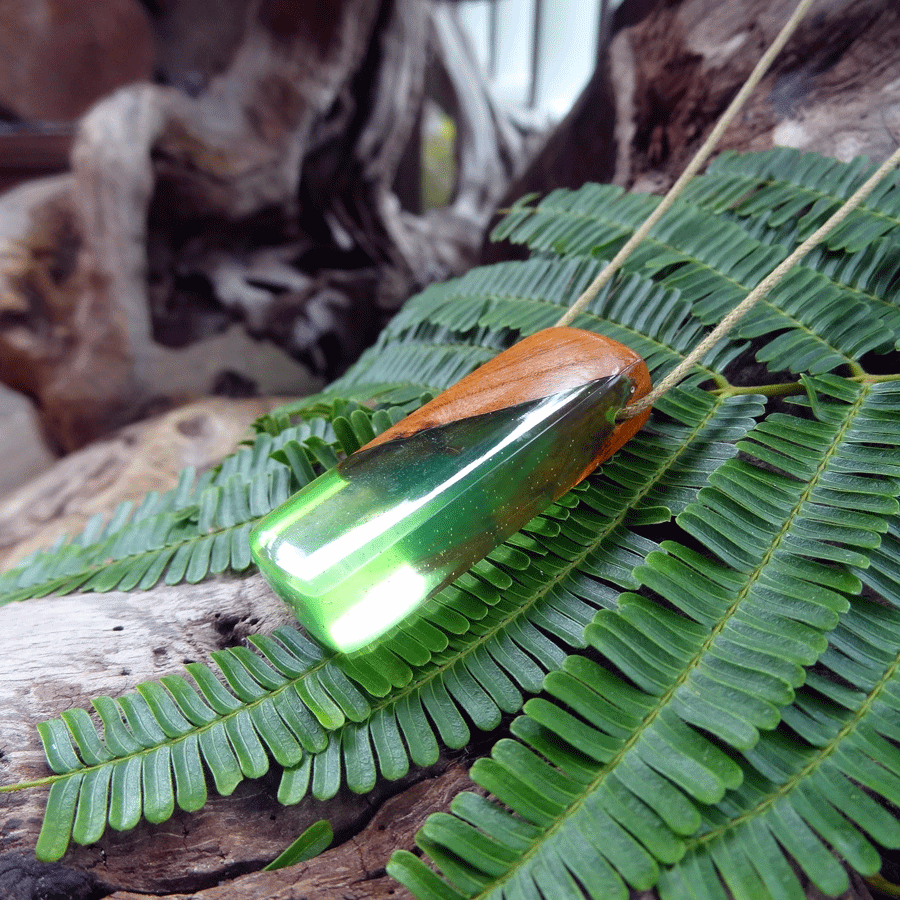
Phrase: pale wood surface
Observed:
(58, 652)
(145, 457)
(297, 123)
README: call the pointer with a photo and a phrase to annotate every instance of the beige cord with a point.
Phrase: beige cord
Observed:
(694, 357)
(693, 166)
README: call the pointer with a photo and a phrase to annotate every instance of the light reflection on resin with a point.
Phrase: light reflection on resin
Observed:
(380, 607)
(361, 547)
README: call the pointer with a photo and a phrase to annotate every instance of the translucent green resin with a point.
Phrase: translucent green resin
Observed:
(361, 547)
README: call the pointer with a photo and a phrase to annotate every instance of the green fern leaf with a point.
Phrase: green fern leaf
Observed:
(199, 527)
(784, 186)
(711, 661)
(818, 324)
(801, 793)
(621, 765)
(493, 653)
(155, 742)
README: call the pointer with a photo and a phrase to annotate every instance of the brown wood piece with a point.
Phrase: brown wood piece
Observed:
(544, 363)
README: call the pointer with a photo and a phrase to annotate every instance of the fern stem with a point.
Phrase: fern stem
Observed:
(879, 883)
(37, 782)
(865, 378)
(692, 168)
(772, 279)
(782, 389)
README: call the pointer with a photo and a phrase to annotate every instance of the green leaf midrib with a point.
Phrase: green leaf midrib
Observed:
(817, 758)
(492, 301)
(171, 742)
(443, 351)
(378, 704)
(79, 578)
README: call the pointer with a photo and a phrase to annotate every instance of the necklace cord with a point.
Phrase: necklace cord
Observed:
(763, 288)
(692, 168)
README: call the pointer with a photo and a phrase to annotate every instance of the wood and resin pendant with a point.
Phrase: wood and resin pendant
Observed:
(366, 544)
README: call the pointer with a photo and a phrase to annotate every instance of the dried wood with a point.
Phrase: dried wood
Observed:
(834, 90)
(59, 652)
(300, 137)
(353, 870)
(688, 56)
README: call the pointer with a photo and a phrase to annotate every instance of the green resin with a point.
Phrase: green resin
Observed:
(367, 543)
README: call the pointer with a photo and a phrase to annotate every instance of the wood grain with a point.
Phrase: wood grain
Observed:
(546, 362)
(58, 652)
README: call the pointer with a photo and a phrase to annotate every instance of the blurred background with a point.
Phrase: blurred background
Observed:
(229, 198)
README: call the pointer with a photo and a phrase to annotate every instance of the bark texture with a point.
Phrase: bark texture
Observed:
(260, 183)
(673, 66)
(836, 90)
(76, 648)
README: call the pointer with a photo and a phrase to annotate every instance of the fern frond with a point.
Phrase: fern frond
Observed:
(784, 185)
(663, 763)
(545, 586)
(201, 526)
(153, 744)
(611, 778)
(513, 299)
(816, 324)
(779, 200)
(474, 652)
(810, 787)
(434, 358)
(870, 273)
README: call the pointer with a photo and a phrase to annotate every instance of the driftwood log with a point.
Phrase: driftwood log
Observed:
(836, 90)
(59, 652)
(272, 176)
(271, 185)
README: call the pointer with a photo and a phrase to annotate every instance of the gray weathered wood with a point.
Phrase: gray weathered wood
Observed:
(57, 653)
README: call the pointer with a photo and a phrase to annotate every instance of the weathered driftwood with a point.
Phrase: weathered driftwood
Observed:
(354, 870)
(672, 68)
(269, 186)
(57, 653)
(834, 89)
(235, 149)
(275, 180)
(58, 57)
(60, 652)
